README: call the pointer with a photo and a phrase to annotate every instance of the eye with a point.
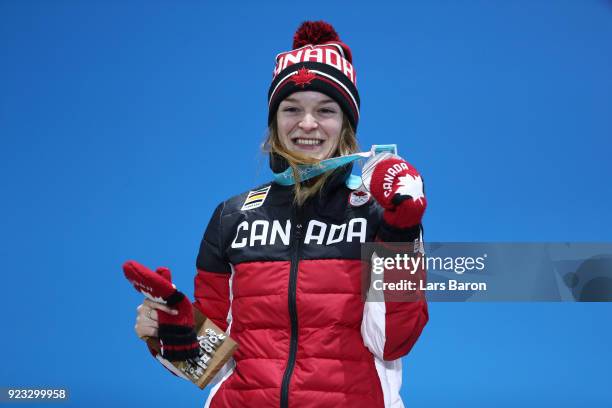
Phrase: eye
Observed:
(289, 109)
(327, 111)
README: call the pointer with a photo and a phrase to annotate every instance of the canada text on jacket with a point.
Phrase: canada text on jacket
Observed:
(265, 232)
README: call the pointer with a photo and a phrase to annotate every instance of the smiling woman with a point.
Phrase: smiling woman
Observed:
(279, 267)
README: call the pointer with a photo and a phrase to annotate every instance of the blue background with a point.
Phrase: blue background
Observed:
(123, 124)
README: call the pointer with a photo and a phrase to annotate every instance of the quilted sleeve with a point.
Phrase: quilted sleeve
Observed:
(391, 328)
(212, 291)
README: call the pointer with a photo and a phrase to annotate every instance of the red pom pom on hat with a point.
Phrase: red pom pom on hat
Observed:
(314, 32)
(318, 32)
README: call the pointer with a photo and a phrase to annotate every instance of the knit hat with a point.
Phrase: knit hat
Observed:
(318, 62)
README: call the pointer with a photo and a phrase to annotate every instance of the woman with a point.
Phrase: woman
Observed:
(279, 267)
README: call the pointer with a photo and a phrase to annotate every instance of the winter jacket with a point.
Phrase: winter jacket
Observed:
(285, 283)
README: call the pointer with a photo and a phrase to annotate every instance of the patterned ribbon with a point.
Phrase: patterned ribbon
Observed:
(308, 171)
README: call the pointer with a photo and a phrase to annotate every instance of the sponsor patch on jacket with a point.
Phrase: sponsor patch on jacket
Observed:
(255, 198)
(358, 198)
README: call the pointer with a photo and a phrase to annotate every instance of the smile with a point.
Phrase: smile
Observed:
(307, 142)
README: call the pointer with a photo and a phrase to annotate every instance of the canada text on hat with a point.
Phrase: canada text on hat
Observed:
(330, 54)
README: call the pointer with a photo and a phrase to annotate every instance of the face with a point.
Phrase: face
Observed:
(309, 123)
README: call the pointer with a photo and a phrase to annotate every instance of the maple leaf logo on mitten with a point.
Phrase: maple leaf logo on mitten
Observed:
(398, 188)
(409, 185)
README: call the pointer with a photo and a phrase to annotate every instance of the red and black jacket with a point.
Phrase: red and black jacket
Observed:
(285, 282)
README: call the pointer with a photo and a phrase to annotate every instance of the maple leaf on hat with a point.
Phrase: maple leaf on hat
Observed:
(303, 77)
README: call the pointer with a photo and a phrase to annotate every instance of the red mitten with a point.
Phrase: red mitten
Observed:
(177, 334)
(398, 188)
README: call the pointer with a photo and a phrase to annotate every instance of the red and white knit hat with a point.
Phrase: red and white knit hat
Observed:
(319, 62)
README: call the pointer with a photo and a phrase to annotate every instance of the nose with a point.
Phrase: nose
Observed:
(308, 123)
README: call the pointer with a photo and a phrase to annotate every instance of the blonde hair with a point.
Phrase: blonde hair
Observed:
(347, 144)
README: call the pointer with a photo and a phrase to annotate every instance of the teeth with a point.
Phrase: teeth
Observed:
(308, 141)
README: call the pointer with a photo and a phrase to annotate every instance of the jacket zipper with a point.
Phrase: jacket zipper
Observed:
(295, 259)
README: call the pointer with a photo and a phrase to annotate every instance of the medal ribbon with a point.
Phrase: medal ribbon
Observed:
(308, 171)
